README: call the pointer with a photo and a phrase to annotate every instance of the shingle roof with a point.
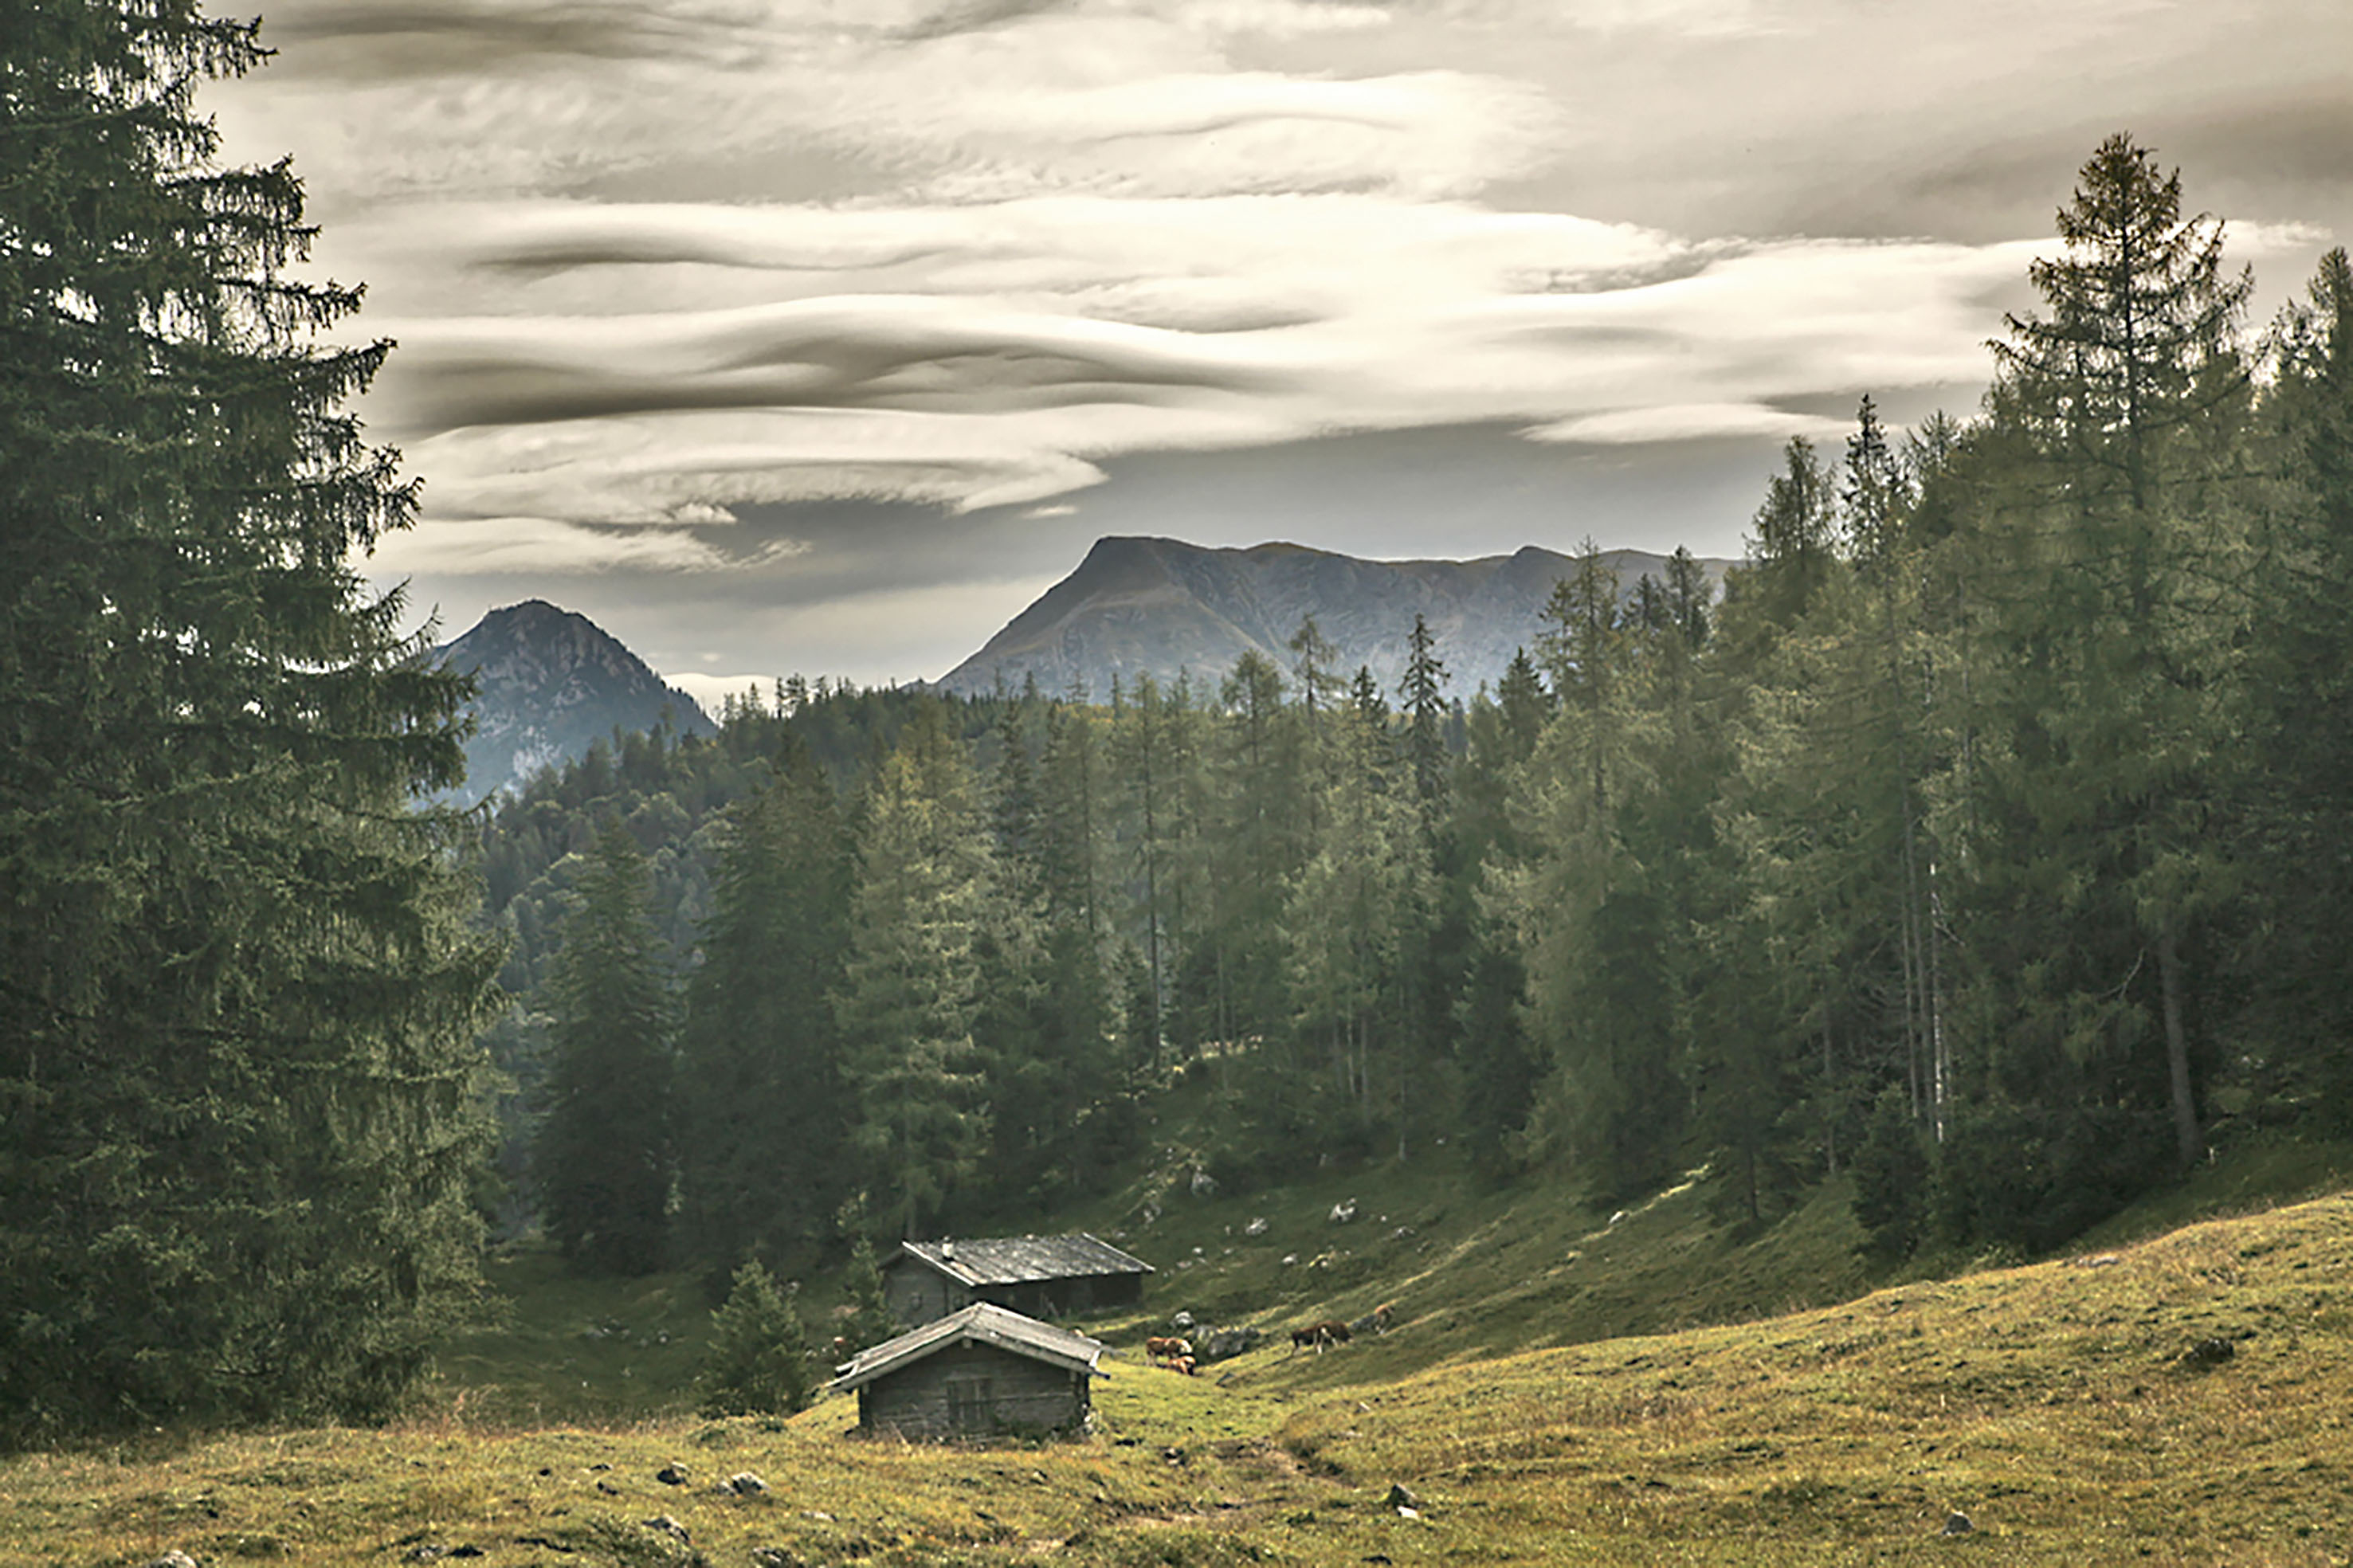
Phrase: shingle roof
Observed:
(982, 1324)
(1022, 1260)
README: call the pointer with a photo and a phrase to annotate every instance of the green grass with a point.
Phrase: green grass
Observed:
(2060, 1405)
(1671, 1388)
(557, 1349)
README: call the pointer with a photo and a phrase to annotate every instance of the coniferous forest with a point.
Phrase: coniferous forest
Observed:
(1985, 842)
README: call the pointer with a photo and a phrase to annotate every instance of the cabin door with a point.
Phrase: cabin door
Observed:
(970, 1412)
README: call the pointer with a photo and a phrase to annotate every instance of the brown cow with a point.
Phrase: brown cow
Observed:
(1167, 1349)
(1330, 1331)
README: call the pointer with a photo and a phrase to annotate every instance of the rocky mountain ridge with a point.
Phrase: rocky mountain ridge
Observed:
(1165, 608)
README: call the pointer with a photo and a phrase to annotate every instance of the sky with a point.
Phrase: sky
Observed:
(822, 336)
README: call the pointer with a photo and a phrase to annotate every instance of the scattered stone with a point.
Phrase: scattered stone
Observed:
(1289, 1258)
(1224, 1344)
(1342, 1213)
(1205, 1186)
(600, 1467)
(662, 1525)
(671, 1475)
(744, 1483)
(1957, 1523)
(1182, 1322)
(1408, 1513)
(609, 1488)
(171, 1559)
(1400, 1497)
(2210, 1352)
(1614, 1220)
(2101, 1260)
(425, 1553)
(820, 1515)
(1256, 1226)
(546, 1470)
(773, 1557)
(467, 1550)
(1401, 1232)
(1151, 1215)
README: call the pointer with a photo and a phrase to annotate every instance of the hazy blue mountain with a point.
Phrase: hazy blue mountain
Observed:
(1160, 606)
(551, 682)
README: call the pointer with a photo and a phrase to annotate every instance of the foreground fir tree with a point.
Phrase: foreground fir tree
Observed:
(238, 998)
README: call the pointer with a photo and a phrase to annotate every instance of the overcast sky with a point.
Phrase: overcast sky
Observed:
(823, 335)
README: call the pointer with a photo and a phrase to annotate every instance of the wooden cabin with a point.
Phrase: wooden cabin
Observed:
(1038, 1276)
(976, 1374)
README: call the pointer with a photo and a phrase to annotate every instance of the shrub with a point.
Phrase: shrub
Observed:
(759, 1357)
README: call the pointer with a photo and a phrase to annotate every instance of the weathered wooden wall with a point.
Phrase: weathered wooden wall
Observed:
(919, 1294)
(921, 1404)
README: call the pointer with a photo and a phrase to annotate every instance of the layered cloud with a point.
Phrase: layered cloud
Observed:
(658, 267)
(996, 353)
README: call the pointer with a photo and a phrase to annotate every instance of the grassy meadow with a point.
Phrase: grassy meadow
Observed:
(1558, 1388)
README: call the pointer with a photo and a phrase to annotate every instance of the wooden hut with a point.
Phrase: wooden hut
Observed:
(975, 1373)
(1041, 1275)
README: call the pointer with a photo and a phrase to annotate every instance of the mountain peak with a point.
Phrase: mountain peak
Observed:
(549, 683)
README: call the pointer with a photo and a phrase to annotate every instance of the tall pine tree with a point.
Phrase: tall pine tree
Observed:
(238, 997)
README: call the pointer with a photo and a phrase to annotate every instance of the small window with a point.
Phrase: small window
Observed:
(969, 1406)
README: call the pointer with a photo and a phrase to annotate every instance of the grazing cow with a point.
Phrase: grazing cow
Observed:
(1166, 1350)
(1330, 1331)
(1381, 1315)
(1183, 1363)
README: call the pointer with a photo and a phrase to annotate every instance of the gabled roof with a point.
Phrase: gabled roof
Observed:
(978, 1324)
(1022, 1259)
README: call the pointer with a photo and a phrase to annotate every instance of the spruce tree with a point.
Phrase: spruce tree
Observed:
(1423, 694)
(760, 1097)
(911, 985)
(2113, 646)
(758, 1362)
(238, 994)
(2303, 829)
(604, 1162)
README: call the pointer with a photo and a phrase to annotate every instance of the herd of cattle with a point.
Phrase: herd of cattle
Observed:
(1176, 1353)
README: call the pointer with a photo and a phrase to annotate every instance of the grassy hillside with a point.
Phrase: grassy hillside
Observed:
(2183, 1399)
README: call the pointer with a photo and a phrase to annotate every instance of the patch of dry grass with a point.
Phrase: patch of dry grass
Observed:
(2067, 1407)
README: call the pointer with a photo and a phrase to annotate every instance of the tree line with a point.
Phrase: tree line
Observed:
(1979, 843)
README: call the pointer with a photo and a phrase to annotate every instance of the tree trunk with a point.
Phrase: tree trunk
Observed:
(2189, 1142)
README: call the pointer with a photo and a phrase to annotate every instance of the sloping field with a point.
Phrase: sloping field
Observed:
(2183, 1400)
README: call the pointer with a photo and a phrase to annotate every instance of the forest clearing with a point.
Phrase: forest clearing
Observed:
(2074, 1411)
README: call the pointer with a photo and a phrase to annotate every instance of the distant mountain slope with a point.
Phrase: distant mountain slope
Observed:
(551, 682)
(1160, 606)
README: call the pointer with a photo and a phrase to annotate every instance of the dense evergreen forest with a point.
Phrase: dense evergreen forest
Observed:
(1985, 843)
